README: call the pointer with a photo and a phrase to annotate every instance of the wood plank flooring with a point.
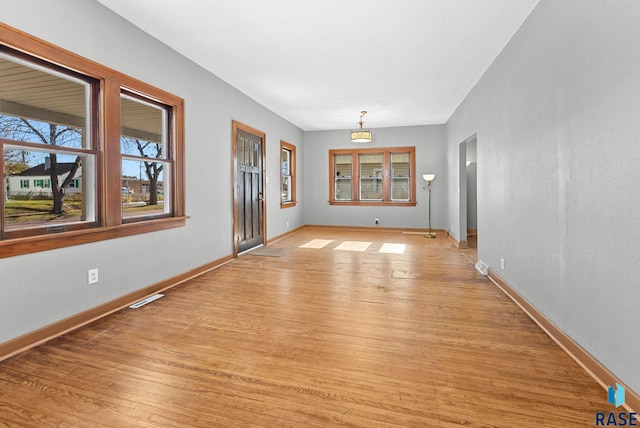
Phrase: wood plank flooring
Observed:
(317, 337)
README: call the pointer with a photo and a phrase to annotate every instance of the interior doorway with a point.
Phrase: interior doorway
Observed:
(472, 193)
(249, 223)
(468, 191)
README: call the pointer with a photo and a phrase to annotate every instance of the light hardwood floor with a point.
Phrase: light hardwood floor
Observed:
(313, 338)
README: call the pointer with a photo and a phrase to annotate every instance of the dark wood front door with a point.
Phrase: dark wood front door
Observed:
(249, 221)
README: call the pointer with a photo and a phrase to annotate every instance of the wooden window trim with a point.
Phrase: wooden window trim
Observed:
(292, 173)
(107, 117)
(386, 178)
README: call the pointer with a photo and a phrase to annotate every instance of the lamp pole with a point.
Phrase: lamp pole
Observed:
(430, 235)
(429, 178)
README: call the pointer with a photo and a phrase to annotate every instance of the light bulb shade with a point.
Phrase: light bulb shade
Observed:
(428, 177)
(361, 136)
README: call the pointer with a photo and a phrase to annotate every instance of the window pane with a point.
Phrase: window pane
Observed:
(143, 145)
(42, 106)
(144, 189)
(400, 172)
(371, 177)
(48, 188)
(343, 169)
(255, 161)
(247, 152)
(285, 156)
(286, 188)
(142, 128)
(343, 189)
(400, 189)
(285, 160)
(143, 148)
(240, 148)
(400, 163)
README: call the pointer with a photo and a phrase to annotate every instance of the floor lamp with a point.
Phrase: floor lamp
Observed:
(429, 178)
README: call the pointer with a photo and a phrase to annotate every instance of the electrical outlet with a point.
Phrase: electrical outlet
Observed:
(287, 225)
(377, 221)
(92, 276)
(502, 263)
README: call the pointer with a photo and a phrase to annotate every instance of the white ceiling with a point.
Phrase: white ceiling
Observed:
(318, 63)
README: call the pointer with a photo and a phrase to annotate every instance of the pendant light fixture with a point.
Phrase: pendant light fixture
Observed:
(361, 136)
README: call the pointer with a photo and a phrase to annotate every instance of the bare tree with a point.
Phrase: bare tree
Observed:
(21, 129)
(152, 169)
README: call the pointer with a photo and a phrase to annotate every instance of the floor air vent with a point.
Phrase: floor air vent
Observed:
(145, 301)
(482, 267)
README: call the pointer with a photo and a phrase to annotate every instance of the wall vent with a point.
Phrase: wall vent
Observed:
(145, 301)
(482, 267)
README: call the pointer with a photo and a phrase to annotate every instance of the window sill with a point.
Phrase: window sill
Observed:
(34, 244)
(287, 204)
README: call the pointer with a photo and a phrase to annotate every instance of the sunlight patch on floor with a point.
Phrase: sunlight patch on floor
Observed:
(387, 248)
(392, 248)
(353, 246)
(317, 243)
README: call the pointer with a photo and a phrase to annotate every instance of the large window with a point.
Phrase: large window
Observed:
(85, 149)
(384, 176)
(287, 175)
(48, 143)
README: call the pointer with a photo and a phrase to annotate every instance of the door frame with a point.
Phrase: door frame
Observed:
(236, 126)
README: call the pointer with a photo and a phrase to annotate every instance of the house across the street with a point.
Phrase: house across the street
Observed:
(37, 180)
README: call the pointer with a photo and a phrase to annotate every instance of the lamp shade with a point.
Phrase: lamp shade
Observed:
(361, 136)
(428, 177)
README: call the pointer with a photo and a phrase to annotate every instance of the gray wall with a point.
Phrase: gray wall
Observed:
(429, 141)
(557, 123)
(43, 288)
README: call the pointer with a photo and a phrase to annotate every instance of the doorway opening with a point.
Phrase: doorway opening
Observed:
(468, 202)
